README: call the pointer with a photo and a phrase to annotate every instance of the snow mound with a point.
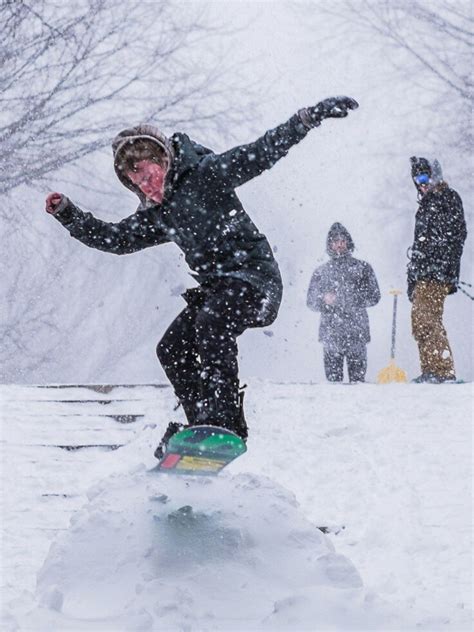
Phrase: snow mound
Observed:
(153, 551)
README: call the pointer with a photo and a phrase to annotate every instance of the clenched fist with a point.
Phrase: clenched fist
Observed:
(52, 202)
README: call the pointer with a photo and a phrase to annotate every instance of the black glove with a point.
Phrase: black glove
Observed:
(334, 107)
(410, 288)
(194, 296)
(411, 275)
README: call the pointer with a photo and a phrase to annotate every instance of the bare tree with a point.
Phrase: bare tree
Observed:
(430, 41)
(73, 72)
(71, 75)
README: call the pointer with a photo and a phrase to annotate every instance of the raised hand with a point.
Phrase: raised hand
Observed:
(333, 107)
(52, 202)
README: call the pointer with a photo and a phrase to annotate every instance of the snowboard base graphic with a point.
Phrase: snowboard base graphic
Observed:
(203, 450)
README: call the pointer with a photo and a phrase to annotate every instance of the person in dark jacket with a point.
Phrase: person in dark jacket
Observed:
(341, 290)
(433, 270)
(187, 196)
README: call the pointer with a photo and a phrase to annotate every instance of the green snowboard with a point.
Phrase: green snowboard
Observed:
(203, 450)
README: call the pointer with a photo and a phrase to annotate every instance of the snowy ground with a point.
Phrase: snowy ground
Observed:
(92, 541)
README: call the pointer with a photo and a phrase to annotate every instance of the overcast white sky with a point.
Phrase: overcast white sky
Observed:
(354, 170)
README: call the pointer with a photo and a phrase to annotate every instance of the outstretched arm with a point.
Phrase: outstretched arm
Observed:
(130, 235)
(240, 164)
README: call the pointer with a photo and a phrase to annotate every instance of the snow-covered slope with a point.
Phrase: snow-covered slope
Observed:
(117, 548)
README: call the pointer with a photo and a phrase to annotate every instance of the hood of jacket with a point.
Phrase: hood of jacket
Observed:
(183, 154)
(338, 230)
(429, 166)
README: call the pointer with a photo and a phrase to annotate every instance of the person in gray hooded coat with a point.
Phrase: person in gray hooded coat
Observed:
(341, 290)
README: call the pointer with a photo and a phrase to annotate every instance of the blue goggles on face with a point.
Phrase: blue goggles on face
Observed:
(422, 178)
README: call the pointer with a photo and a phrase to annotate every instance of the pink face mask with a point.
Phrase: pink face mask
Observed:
(150, 178)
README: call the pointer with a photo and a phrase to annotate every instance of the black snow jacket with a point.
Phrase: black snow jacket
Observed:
(202, 214)
(353, 281)
(440, 232)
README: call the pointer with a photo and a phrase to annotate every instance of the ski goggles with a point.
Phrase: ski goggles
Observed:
(421, 178)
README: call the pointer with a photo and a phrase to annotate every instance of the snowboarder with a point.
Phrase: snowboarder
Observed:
(187, 196)
(341, 290)
(434, 266)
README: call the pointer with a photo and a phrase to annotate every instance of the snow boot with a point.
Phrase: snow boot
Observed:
(424, 378)
(230, 420)
(240, 427)
(431, 378)
(172, 429)
(238, 424)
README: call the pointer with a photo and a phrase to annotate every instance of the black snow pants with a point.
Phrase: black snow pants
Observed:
(356, 358)
(198, 352)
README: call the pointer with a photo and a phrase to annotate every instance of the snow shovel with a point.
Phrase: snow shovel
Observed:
(392, 373)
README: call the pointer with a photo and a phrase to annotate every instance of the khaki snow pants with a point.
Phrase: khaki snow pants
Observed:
(428, 329)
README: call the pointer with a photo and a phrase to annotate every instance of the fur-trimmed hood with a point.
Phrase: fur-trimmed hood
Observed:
(182, 153)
